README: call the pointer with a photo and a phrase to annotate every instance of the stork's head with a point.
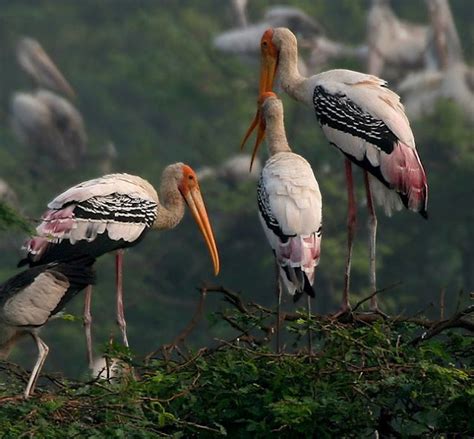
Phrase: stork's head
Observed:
(275, 43)
(269, 106)
(188, 186)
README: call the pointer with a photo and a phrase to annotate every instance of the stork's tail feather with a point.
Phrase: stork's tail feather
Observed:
(36, 248)
(297, 282)
(405, 173)
(298, 257)
(306, 288)
(78, 270)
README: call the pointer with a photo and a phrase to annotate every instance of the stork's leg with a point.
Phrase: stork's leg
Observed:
(372, 223)
(278, 291)
(120, 314)
(42, 353)
(88, 323)
(310, 341)
(351, 225)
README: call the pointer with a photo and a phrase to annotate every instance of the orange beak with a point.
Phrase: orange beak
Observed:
(196, 205)
(268, 66)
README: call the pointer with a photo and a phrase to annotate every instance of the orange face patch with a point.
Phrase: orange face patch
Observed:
(189, 180)
(266, 44)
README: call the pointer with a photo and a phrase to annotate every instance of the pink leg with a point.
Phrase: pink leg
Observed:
(88, 323)
(120, 314)
(278, 324)
(351, 225)
(372, 241)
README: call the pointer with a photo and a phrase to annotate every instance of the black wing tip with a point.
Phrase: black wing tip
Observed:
(297, 296)
(307, 288)
(424, 214)
(23, 262)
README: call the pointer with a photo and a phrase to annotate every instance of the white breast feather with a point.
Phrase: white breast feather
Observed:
(294, 196)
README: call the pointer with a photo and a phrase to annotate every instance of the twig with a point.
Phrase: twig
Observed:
(181, 337)
(199, 426)
(441, 303)
(382, 290)
(456, 321)
(232, 297)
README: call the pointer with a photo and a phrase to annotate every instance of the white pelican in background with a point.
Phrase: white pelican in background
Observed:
(365, 120)
(290, 207)
(31, 298)
(114, 212)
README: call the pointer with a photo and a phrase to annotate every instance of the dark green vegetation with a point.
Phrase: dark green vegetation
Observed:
(147, 78)
(364, 377)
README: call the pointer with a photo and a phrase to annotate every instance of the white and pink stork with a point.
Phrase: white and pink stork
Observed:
(114, 212)
(290, 207)
(365, 120)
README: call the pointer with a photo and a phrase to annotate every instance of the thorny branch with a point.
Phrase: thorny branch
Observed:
(458, 320)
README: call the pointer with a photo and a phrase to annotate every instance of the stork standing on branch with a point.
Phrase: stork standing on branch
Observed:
(365, 120)
(290, 207)
(114, 212)
(30, 299)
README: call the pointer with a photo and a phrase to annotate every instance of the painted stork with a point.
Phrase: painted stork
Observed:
(114, 212)
(395, 43)
(365, 120)
(31, 298)
(289, 204)
(243, 41)
(50, 123)
(35, 61)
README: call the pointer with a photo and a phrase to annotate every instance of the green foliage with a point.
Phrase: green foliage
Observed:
(362, 378)
(10, 219)
(148, 78)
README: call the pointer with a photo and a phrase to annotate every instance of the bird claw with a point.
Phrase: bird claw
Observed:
(379, 312)
(344, 312)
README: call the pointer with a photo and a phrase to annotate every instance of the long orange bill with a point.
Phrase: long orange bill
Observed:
(196, 205)
(267, 76)
(260, 137)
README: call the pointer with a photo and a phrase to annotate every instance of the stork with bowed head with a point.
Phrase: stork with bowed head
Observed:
(365, 120)
(35, 61)
(112, 213)
(44, 119)
(30, 299)
(290, 207)
(51, 123)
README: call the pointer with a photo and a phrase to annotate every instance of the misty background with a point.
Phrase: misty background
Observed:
(150, 81)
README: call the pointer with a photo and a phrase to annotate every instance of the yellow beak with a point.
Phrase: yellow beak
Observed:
(196, 205)
(267, 76)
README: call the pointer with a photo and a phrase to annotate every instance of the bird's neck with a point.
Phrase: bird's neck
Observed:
(276, 136)
(288, 75)
(171, 209)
